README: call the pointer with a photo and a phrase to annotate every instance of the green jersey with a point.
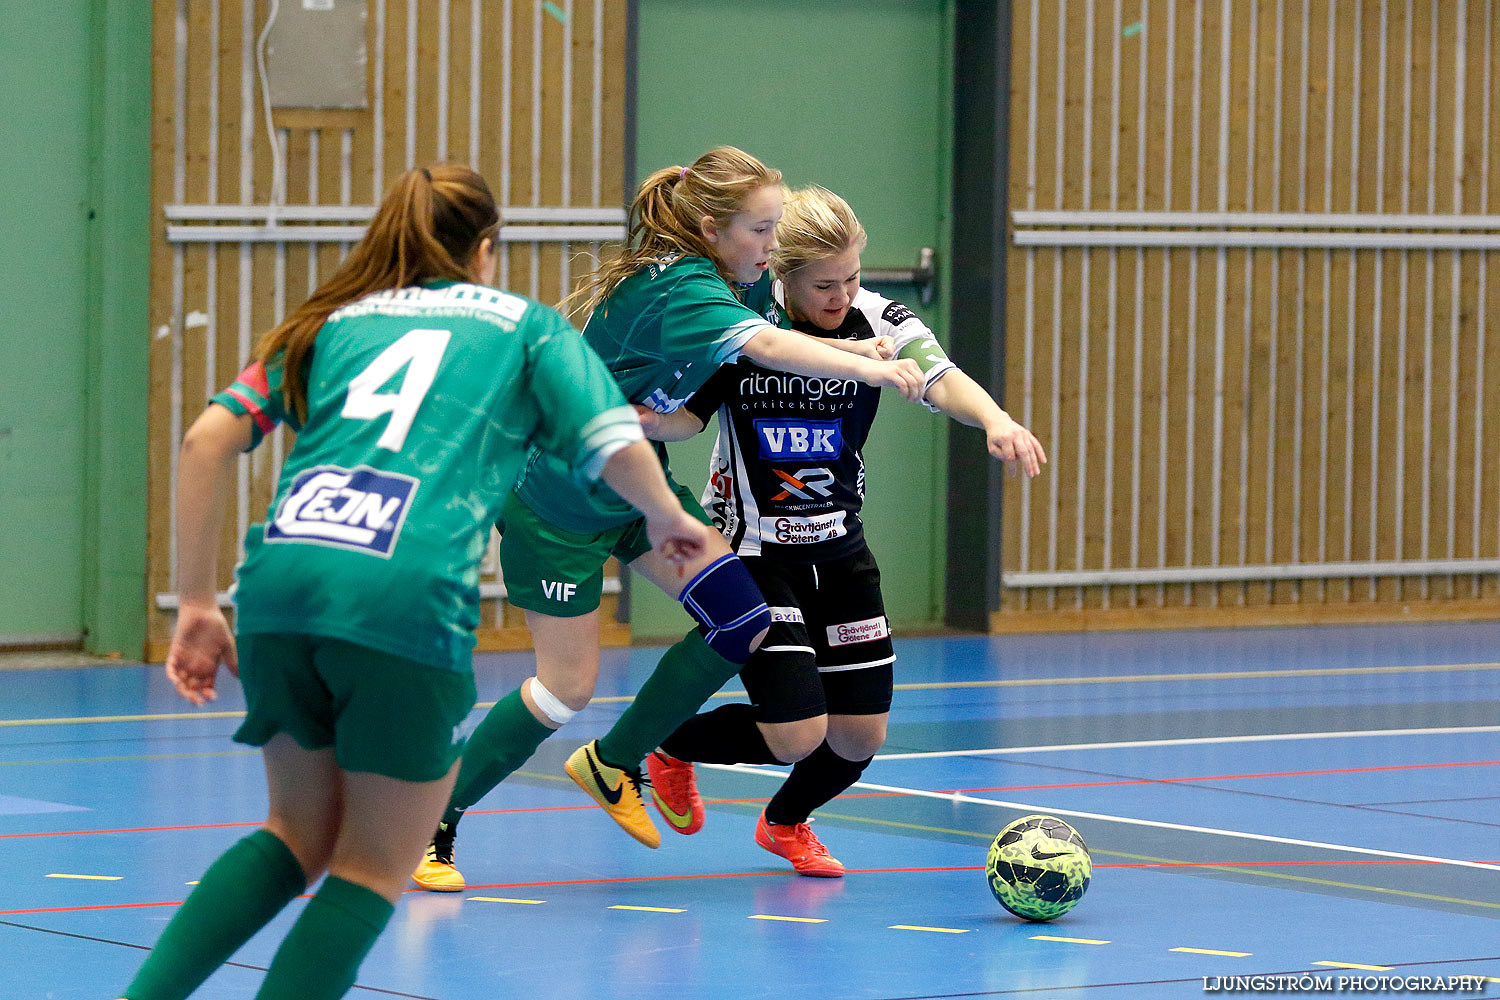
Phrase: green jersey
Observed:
(662, 332)
(422, 404)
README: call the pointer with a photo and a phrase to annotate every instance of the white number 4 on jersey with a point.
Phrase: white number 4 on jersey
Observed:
(421, 350)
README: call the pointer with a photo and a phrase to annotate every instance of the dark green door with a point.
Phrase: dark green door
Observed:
(854, 95)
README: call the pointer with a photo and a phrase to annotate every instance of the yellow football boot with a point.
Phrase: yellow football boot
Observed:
(437, 872)
(617, 789)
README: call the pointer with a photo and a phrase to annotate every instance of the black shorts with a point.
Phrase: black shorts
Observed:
(829, 647)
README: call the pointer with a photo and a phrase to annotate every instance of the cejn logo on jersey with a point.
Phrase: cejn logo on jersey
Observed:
(361, 509)
(808, 484)
(784, 439)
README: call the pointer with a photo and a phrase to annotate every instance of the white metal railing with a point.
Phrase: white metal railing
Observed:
(1256, 220)
(277, 233)
(1249, 574)
(270, 214)
(1254, 238)
(346, 223)
(1312, 230)
(487, 589)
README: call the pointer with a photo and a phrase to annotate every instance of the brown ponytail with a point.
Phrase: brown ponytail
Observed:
(428, 227)
(667, 212)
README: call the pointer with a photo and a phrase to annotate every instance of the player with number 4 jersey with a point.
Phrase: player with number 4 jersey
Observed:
(448, 383)
(416, 391)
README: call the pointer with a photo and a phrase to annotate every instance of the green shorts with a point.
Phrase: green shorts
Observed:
(561, 573)
(381, 713)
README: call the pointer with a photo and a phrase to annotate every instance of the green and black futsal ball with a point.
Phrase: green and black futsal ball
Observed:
(1038, 867)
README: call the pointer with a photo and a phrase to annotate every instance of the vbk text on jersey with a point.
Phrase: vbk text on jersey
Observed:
(781, 439)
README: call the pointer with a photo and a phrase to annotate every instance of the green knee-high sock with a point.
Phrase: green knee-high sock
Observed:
(688, 673)
(238, 895)
(505, 740)
(321, 954)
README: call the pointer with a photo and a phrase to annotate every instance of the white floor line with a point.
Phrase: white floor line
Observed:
(1191, 741)
(1022, 807)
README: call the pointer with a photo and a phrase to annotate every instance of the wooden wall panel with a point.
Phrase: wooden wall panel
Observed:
(1227, 409)
(530, 94)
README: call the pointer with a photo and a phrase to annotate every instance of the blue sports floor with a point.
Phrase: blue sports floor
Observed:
(1317, 801)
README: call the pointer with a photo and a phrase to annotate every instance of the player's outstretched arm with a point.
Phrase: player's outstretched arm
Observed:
(881, 348)
(965, 400)
(679, 425)
(635, 474)
(202, 639)
(799, 354)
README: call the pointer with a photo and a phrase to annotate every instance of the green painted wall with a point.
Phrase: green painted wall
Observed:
(76, 75)
(44, 74)
(118, 294)
(854, 95)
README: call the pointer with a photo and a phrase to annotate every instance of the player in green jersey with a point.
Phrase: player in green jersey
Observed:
(416, 392)
(689, 294)
(820, 688)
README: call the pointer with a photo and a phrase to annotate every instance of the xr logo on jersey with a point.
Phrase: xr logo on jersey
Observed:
(559, 591)
(809, 484)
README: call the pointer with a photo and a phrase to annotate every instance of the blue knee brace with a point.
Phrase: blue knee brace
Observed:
(726, 604)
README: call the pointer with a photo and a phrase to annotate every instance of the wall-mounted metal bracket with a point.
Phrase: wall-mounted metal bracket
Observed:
(923, 275)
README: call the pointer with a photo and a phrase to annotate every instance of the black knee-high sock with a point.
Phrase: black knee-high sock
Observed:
(815, 780)
(727, 735)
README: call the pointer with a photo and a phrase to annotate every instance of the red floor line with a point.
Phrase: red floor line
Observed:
(775, 874)
(1263, 864)
(471, 812)
(76, 909)
(846, 795)
(959, 868)
(685, 878)
(519, 885)
(221, 826)
(108, 906)
(1221, 777)
(851, 795)
(136, 829)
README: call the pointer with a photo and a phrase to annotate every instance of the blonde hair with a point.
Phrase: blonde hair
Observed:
(429, 226)
(667, 213)
(816, 224)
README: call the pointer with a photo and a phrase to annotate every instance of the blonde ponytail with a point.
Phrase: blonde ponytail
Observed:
(667, 213)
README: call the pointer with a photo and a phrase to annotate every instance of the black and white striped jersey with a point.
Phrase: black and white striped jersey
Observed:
(787, 478)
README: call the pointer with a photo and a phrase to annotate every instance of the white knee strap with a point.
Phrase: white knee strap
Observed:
(551, 705)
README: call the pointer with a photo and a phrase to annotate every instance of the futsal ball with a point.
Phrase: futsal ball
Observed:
(1038, 867)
